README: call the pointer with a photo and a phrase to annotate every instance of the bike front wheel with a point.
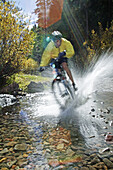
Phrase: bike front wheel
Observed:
(62, 92)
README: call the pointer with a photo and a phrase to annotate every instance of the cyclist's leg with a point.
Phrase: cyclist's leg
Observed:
(57, 68)
(64, 64)
(65, 67)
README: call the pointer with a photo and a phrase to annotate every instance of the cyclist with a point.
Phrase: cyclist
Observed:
(61, 48)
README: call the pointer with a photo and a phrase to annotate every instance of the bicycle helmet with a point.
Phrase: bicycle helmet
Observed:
(56, 35)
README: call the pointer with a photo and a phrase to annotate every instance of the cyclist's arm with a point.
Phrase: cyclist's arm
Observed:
(46, 57)
(69, 49)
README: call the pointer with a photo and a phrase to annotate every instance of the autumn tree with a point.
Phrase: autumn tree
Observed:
(16, 41)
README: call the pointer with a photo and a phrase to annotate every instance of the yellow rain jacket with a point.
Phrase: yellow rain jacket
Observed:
(52, 52)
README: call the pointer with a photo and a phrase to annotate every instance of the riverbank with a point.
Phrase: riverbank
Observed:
(21, 82)
(24, 80)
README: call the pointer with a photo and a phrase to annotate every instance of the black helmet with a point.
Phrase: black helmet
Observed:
(56, 35)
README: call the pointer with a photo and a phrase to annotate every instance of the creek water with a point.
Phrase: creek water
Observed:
(88, 117)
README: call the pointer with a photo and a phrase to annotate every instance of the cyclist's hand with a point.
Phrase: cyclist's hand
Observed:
(61, 54)
(41, 69)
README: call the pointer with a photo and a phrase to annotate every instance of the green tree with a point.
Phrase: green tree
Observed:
(38, 43)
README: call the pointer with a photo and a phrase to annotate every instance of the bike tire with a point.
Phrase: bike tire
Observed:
(62, 92)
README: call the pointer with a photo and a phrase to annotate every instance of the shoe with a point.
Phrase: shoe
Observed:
(74, 87)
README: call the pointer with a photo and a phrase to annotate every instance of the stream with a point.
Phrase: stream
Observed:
(36, 133)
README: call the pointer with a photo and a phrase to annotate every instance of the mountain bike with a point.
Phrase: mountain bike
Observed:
(61, 87)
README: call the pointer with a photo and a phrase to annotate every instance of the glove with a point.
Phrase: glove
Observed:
(41, 69)
(62, 54)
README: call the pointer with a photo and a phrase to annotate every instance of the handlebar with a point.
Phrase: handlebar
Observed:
(52, 64)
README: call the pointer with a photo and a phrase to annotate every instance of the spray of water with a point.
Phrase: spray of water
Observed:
(99, 71)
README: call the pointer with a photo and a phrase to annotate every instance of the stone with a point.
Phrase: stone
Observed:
(65, 141)
(20, 147)
(60, 146)
(108, 163)
(84, 168)
(4, 151)
(11, 163)
(70, 152)
(91, 168)
(54, 163)
(10, 89)
(22, 162)
(102, 150)
(10, 144)
(111, 159)
(95, 160)
(109, 137)
(35, 87)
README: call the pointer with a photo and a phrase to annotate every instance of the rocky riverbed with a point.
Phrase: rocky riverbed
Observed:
(32, 141)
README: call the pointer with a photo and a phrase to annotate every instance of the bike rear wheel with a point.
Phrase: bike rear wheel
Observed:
(62, 92)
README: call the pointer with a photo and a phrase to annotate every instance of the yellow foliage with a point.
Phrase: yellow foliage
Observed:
(85, 43)
(28, 65)
(99, 42)
(93, 31)
(16, 41)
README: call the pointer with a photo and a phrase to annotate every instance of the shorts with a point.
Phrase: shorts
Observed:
(59, 62)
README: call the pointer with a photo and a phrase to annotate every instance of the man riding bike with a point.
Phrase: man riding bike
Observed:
(61, 48)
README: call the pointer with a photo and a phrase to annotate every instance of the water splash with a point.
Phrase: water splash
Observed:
(95, 83)
(99, 72)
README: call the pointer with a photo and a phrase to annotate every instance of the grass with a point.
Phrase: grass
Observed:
(24, 79)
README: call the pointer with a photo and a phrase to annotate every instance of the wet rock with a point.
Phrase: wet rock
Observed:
(101, 116)
(7, 100)
(20, 147)
(92, 109)
(105, 127)
(84, 168)
(102, 150)
(35, 87)
(92, 136)
(109, 137)
(111, 158)
(10, 89)
(108, 163)
(102, 102)
(22, 162)
(11, 163)
(100, 165)
(65, 141)
(38, 167)
(111, 123)
(91, 167)
(107, 110)
(70, 152)
(74, 147)
(4, 151)
(60, 146)
(53, 162)
(95, 160)
(10, 144)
